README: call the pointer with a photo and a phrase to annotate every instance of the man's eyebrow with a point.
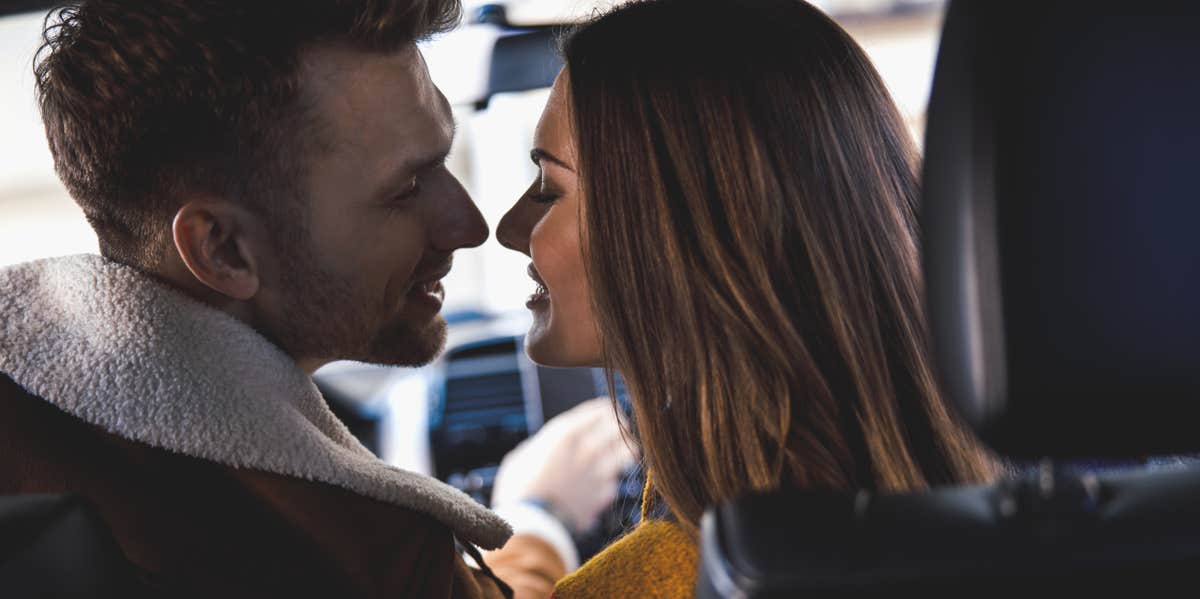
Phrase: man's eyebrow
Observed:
(426, 162)
(417, 164)
(401, 177)
(537, 155)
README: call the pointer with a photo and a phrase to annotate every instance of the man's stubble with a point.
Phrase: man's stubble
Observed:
(326, 316)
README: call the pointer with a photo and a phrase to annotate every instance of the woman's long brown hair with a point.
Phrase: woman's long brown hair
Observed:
(751, 239)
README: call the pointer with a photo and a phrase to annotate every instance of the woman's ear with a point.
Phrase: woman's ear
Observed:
(214, 239)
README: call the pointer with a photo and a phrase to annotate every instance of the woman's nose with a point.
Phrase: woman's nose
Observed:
(513, 230)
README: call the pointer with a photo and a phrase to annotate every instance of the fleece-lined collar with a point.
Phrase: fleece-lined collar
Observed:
(115, 348)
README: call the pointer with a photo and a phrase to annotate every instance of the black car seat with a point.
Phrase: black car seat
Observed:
(1062, 247)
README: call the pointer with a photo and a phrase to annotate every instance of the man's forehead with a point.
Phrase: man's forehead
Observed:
(358, 94)
(336, 65)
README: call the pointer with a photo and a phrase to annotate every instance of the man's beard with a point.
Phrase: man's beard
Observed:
(328, 317)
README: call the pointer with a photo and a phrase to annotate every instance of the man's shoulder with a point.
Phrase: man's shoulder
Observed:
(360, 520)
(203, 525)
(25, 416)
(43, 432)
(11, 391)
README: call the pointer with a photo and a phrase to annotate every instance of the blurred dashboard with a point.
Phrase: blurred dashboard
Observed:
(456, 418)
(487, 397)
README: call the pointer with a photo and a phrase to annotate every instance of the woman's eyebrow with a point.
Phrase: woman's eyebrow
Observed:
(537, 155)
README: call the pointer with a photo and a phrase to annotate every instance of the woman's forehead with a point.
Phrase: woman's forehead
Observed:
(553, 132)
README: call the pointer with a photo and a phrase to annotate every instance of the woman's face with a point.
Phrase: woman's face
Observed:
(545, 224)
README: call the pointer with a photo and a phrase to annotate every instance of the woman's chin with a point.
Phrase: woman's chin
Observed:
(544, 349)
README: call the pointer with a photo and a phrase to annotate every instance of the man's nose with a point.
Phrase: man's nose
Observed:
(514, 228)
(459, 223)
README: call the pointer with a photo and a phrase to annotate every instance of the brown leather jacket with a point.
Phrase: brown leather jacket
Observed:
(199, 528)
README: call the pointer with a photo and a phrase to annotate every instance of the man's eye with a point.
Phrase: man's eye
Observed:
(413, 189)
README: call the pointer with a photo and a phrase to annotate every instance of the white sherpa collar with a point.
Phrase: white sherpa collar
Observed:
(111, 346)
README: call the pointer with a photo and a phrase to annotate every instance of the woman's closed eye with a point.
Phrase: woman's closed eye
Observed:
(541, 197)
(541, 193)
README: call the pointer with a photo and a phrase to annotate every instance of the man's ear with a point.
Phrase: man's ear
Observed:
(214, 239)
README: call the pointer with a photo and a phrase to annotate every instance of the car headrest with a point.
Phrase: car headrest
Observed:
(1061, 224)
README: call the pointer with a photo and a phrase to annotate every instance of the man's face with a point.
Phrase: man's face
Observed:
(383, 216)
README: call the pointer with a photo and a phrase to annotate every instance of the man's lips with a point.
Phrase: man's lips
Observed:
(431, 283)
(432, 277)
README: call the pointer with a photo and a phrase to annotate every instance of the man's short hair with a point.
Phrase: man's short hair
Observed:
(145, 101)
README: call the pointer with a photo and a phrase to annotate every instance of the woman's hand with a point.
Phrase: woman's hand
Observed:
(574, 463)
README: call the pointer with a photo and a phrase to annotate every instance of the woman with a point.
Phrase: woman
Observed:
(725, 215)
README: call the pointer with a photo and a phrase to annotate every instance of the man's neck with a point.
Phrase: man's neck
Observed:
(176, 274)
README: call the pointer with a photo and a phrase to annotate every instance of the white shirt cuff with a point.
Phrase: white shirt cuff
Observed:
(528, 519)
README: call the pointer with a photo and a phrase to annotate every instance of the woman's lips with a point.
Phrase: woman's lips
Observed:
(538, 298)
(541, 295)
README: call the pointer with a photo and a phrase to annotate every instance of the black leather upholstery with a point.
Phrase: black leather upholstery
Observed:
(1133, 533)
(1060, 221)
(1063, 275)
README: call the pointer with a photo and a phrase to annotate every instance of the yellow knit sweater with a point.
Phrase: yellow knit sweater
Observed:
(657, 560)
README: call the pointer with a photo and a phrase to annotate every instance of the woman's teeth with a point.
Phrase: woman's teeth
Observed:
(540, 294)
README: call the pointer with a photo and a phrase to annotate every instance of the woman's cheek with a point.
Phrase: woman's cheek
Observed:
(558, 256)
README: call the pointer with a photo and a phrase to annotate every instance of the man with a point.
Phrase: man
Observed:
(268, 186)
